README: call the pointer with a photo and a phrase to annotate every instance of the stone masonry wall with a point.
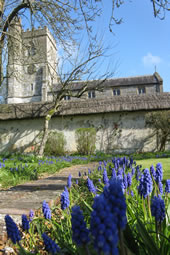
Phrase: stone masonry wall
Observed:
(120, 123)
(116, 132)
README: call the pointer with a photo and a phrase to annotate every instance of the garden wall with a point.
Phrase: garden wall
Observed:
(120, 123)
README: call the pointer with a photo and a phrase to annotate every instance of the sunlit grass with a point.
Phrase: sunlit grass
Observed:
(146, 163)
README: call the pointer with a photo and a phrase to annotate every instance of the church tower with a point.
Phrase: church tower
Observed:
(14, 67)
(32, 62)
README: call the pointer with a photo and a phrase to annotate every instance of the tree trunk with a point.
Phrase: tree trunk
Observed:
(46, 126)
(163, 142)
(45, 136)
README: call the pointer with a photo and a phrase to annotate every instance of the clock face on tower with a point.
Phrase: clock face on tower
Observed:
(31, 69)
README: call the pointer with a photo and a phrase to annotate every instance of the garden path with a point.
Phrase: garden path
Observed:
(18, 200)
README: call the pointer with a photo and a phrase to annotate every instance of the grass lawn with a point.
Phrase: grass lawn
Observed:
(146, 163)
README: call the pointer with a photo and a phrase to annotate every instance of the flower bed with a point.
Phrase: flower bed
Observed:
(118, 208)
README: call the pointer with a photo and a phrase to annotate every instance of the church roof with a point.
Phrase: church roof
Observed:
(116, 82)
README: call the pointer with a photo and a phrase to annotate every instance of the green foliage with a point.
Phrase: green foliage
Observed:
(31, 167)
(86, 139)
(55, 145)
(140, 236)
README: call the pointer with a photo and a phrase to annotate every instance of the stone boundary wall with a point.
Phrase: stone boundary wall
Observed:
(119, 121)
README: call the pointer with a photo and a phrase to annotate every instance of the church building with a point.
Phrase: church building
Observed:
(32, 75)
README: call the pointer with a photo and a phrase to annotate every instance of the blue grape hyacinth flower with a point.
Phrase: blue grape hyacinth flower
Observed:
(50, 245)
(133, 171)
(141, 187)
(31, 215)
(100, 166)
(120, 172)
(65, 201)
(91, 186)
(167, 186)
(12, 229)
(129, 179)
(108, 216)
(80, 233)
(152, 171)
(146, 185)
(158, 208)
(125, 183)
(132, 194)
(103, 227)
(25, 223)
(105, 178)
(114, 196)
(46, 210)
(160, 185)
(138, 173)
(113, 173)
(159, 173)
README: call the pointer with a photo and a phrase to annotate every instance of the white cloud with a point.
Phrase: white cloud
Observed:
(150, 60)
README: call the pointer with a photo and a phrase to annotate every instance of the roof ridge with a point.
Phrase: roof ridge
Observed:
(127, 77)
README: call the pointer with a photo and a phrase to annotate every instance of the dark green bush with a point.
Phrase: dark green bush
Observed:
(55, 145)
(86, 139)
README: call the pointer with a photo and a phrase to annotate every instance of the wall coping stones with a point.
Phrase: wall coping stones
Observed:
(88, 106)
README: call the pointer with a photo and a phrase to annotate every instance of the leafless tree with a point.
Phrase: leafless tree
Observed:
(64, 18)
(160, 7)
(160, 122)
(75, 83)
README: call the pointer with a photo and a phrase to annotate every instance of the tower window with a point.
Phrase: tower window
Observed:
(91, 94)
(116, 92)
(32, 86)
(31, 49)
(141, 90)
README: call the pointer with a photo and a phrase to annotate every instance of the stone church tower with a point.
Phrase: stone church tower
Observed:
(32, 62)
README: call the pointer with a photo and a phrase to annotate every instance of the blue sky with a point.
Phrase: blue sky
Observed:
(138, 45)
(141, 42)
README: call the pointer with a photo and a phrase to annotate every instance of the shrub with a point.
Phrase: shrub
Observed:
(86, 139)
(55, 144)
